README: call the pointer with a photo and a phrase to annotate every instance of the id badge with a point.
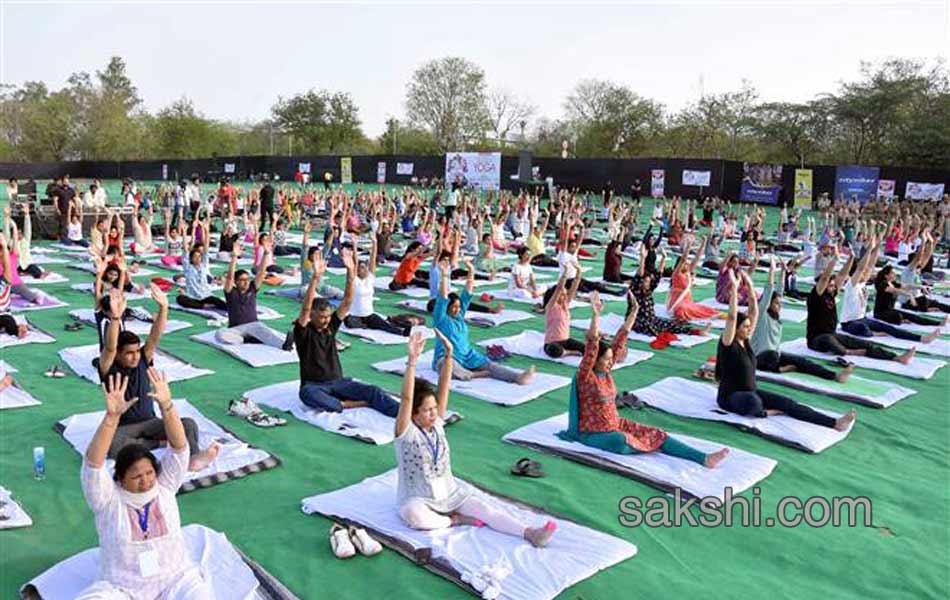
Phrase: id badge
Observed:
(148, 563)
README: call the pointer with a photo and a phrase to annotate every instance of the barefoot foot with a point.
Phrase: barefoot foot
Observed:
(526, 376)
(845, 420)
(906, 357)
(201, 460)
(843, 375)
(713, 460)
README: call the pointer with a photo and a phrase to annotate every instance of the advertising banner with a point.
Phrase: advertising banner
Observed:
(380, 172)
(885, 188)
(475, 170)
(859, 182)
(924, 191)
(803, 188)
(761, 183)
(657, 183)
(303, 167)
(404, 168)
(346, 169)
(698, 178)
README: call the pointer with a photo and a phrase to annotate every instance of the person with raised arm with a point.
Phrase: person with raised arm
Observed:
(240, 295)
(363, 313)
(735, 371)
(680, 303)
(557, 319)
(8, 324)
(428, 495)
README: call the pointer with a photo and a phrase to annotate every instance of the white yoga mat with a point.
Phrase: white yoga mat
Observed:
(789, 315)
(914, 327)
(255, 355)
(50, 279)
(610, 323)
(47, 259)
(508, 315)
(16, 516)
(383, 338)
(739, 471)
(938, 347)
(490, 390)
(88, 316)
(19, 305)
(264, 313)
(234, 453)
(220, 564)
(88, 267)
(505, 295)
(573, 554)
(33, 336)
(661, 311)
(893, 393)
(90, 288)
(79, 359)
(530, 343)
(363, 423)
(16, 397)
(697, 400)
(919, 367)
(382, 283)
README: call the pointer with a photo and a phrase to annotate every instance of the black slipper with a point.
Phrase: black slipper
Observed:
(525, 467)
(629, 400)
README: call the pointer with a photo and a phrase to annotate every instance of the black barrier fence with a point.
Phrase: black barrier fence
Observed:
(588, 174)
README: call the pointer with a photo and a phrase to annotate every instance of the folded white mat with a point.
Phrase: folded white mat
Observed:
(47, 259)
(90, 288)
(229, 573)
(256, 355)
(47, 302)
(15, 515)
(530, 343)
(697, 400)
(490, 390)
(383, 338)
(938, 347)
(382, 284)
(364, 424)
(789, 315)
(914, 327)
(919, 368)
(264, 313)
(88, 267)
(88, 316)
(573, 554)
(16, 397)
(79, 359)
(610, 323)
(869, 392)
(508, 315)
(740, 471)
(235, 458)
(33, 336)
(53, 277)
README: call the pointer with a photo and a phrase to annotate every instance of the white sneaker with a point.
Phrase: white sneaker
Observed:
(340, 542)
(243, 408)
(364, 543)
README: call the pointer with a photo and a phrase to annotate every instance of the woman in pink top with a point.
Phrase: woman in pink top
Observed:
(680, 303)
(16, 282)
(557, 320)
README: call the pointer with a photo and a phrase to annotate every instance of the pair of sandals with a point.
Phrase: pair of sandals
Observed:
(525, 467)
(55, 371)
(73, 326)
(347, 541)
(628, 400)
(497, 352)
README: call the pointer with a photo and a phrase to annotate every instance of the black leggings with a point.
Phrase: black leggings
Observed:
(895, 317)
(772, 361)
(543, 260)
(374, 321)
(472, 306)
(8, 325)
(711, 265)
(924, 304)
(34, 271)
(832, 343)
(795, 294)
(286, 251)
(557, 349)
(587, 286)
(209, 302)
(755, 403)
(621, 279)
(416, 281)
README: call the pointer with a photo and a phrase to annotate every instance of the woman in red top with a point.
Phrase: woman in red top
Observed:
(593, 419)
(405, 274)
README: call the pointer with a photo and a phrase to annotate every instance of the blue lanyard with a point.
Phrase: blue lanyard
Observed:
(434, 446)
(143, 518)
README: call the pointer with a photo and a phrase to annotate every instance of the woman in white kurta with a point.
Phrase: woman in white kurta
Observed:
(428, 495)
(142, 550)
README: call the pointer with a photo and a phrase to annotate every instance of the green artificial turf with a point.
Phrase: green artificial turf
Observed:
(896, 457)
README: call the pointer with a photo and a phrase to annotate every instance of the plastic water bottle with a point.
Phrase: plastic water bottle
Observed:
(39, 463)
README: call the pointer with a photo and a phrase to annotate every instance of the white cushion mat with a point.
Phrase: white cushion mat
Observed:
(382, 283)
(384, 338)
(17, 517)
(53, 277)
(610, 323)
(938, 347)
(256, 355)
(739, 471)
(919, 367)
(264, 313)
(33, 336)
(79, 359)
(90, 288)
(508, 315)
(697, 400)
(894, 393)
(573, 554)
(530, 343)
(88, 316)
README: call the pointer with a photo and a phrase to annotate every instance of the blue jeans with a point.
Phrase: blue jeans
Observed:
(327, 395)
(867, 327)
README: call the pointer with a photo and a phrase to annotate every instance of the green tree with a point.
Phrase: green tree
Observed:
(320, 121)
(611, 120)
(448, 98)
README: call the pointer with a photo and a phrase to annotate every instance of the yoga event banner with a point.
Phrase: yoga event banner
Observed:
(346, 169)
(803, 188)
(380, 172)
(303, 167)
(885, 188)
(761, 183)
(404, 168)
(476, 170)
(657, 182)
(854, 181)
(924, 191)
(698, 178)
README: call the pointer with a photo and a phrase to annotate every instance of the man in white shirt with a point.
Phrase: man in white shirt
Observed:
(99, 197)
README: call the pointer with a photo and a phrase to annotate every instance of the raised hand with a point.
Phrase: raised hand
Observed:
(632, 301)
(117, 302)
(158, 295)
(349, 259)
(595, 302)
(161, 393)
(445, 341)
(114, 389)
(416, 345)
(319, 265)
(733, 280)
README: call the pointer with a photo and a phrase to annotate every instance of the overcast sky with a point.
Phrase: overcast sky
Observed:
(234, 59)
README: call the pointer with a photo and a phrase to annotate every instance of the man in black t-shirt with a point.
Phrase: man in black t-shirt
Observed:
(267, 205)
(322, 385)
(821, 329)
(124, 354)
